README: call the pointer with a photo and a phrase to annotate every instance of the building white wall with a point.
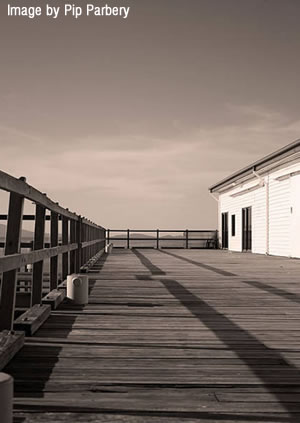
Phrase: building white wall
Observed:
(284, 211)
(234, 205)
(275, 212)
(259, 221)
(279, 217)
(295, 216)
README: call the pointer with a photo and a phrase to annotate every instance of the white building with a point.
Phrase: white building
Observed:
(259, 206)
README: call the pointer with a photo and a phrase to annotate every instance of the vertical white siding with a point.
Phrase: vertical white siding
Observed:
(234, 205)
(277, 225)
(279, 217)
(295, 216)
(259, 221)
(284, 211)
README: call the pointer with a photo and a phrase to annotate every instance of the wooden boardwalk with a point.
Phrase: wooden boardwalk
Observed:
(169, 336)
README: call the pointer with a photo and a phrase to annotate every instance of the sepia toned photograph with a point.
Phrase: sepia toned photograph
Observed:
(150, 211)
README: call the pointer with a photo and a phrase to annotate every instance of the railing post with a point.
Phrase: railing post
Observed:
(187, 239)
(65, 241)
(87, 254)
(94, 247)
(84, 257)
(37, 274)
(53, 243)
(90, 248)
(82, 239)
(12, 246)
(102, 236)
(108, 236)
(128, 238)
(79, 247)
(85, 238)
(95, 237)
(157, 239)
(72, 241)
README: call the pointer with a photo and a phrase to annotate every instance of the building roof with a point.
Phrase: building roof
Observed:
(270, 158)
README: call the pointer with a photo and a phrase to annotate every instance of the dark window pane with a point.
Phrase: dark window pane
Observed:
(224, 230)
(233, 225)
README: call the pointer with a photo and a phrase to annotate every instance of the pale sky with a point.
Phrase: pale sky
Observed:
(128, 122)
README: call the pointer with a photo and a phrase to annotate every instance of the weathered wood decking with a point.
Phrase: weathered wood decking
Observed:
(169, 336)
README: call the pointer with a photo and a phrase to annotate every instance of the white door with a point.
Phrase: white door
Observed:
(295, 216)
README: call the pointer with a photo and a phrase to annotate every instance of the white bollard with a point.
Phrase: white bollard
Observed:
(29, 267)
(6, 398)
(78, 288)
(108, 248)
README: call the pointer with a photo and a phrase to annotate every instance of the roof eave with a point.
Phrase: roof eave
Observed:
(259, 164)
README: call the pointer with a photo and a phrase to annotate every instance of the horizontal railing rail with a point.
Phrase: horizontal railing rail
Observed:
(206, 238)
(80, 240)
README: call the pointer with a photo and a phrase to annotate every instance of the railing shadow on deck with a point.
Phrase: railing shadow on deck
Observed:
(34, 382)
(46, 346)
(291, 296)
(215, 321)
(220, 325)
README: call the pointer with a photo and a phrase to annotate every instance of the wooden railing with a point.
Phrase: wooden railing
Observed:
(81, 239)
(162, 238)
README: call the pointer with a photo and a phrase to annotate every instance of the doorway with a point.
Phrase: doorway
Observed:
(247, 229)
(225, 230)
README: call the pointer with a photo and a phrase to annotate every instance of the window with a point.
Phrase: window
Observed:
(247, 229)
(233, 225)
(224, 230)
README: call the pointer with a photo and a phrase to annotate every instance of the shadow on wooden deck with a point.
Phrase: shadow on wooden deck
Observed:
(214, 320)
(121, 300)
(45, 351)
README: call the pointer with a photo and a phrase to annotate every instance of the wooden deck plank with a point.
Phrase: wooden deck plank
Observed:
(169, 337)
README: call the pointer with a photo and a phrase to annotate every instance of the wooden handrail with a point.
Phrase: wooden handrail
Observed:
(85, 241)
(163, 230)
(187, 236)
(19, 186)
(15, 261)
(31, 217)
